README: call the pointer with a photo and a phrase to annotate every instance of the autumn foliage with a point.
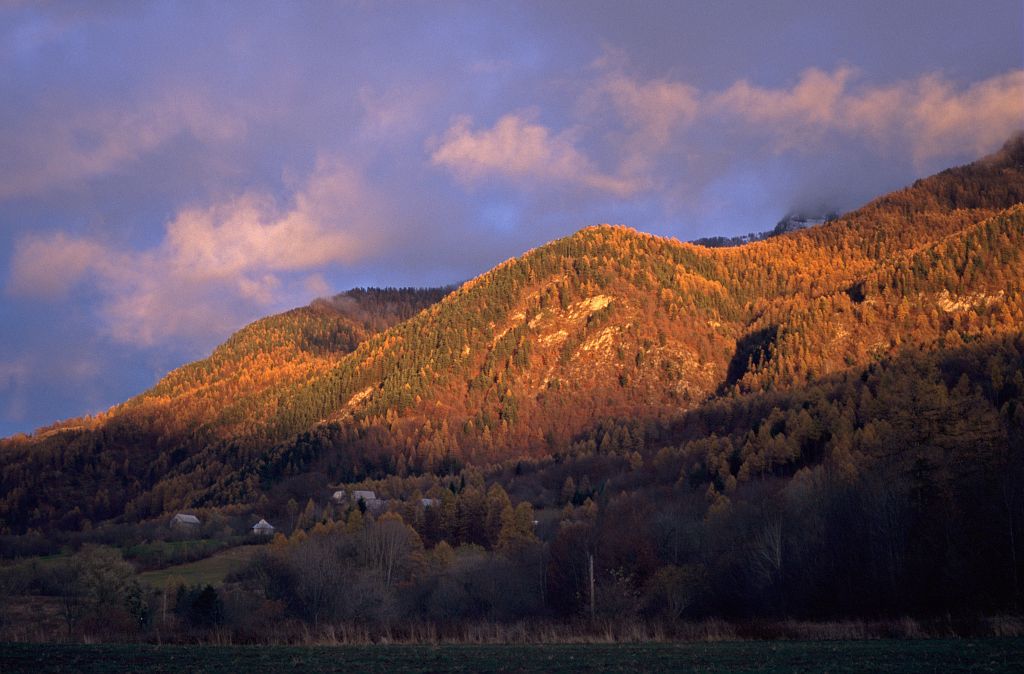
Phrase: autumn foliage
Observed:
(846, 401)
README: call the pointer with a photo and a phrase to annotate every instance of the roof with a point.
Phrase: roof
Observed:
(263, 524)
(338, 495)
(364, 494)
(182, 518)
(428, 502)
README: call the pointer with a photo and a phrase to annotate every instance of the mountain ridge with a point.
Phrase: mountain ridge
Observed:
(539, 353)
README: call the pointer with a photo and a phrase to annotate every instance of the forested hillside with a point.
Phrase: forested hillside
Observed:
(829, 420)
(99, 464)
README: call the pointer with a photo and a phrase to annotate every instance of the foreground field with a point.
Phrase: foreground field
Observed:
(987, 655)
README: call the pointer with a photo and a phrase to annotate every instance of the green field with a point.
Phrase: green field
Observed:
(983, 655)
(211, 570)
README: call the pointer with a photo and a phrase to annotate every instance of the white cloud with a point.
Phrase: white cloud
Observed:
(215, 265)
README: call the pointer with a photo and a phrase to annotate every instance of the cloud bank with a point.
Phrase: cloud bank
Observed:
(214, 264)
(927, 118)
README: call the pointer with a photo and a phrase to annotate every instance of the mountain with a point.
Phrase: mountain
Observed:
(830, 346)
(101, 462)
(790, 223)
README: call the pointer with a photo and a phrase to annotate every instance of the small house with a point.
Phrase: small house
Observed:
(183, 521)
(429, 502)
(369, 499)
(263, 528)
(339, 495)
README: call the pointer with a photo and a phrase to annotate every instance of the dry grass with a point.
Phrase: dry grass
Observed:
(37, 619)
(607, 632)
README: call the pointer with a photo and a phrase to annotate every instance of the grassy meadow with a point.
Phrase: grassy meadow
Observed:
(209, 571)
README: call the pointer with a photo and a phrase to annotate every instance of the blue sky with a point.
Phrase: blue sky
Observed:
(171, 171)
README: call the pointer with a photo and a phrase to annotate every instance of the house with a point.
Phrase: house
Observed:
(339, 495)
(184, 521)
(263, 528)
(369, 499)
(429, 502)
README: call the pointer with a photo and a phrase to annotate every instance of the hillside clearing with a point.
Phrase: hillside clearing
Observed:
(209, 571)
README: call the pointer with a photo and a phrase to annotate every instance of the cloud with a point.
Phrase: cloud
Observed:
(938, 120)
(524, 152)
(393, 113)
(663, 135)
(929, 117)
(56, 147)
(215, 265)
(656, 108)
(14, 375)
(48, 267)
(811, 106)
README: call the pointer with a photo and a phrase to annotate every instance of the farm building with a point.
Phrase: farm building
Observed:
(369, 499)
(184, 521)
(263, 528)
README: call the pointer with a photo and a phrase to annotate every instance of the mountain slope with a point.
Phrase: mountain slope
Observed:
(611, 323)
(608, 341)
(101, 462)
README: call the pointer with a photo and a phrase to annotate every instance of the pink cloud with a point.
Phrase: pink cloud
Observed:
(394, 113)
(49, 266)
(215, 265)
(520, 150)
(812, 105)
(58, 147)
(657, 108)
(937, 119)
(930, 116)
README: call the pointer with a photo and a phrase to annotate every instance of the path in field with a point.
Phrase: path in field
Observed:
(988, 655)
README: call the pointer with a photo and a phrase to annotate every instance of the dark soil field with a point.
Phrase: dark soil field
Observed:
(988, 655)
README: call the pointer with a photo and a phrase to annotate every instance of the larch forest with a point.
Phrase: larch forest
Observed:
(824, 424)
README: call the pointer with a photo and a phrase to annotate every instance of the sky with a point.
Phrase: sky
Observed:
(171, 171)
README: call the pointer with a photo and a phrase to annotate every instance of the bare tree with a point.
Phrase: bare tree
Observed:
(386, 546)
(69, 587)
(319, 586)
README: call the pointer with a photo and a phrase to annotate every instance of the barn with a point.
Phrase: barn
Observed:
(263, 528)
(184, 521)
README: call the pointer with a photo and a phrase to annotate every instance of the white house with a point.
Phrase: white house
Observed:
(185, 521)
(263, 528)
